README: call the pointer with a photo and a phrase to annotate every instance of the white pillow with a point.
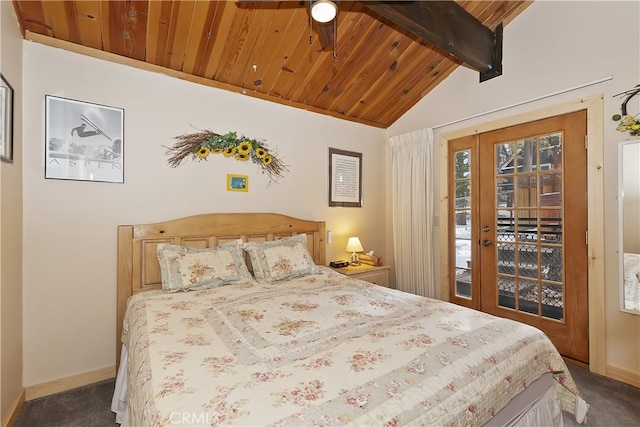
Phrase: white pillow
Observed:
(183, 268)
(281, 259)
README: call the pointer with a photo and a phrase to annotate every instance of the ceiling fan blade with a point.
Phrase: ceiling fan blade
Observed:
(326, 34)
(276, 4)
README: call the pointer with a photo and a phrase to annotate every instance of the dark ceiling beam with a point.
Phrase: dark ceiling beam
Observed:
(451, 28)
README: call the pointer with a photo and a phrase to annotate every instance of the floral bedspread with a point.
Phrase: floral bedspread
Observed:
(325, 350)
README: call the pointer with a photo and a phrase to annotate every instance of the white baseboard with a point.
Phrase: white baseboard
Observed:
(70, 382)
(619, 374)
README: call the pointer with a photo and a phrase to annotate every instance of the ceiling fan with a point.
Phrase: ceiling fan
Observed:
(321, 12)
(325, 13)
(443, 23)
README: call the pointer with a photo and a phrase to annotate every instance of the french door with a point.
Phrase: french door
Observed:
(518, 227)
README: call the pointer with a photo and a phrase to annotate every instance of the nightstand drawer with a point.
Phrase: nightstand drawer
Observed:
(378, 275)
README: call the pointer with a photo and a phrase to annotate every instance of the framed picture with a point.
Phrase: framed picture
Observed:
(345, 178)
(6, 120)
(84, 141)
(237, 182)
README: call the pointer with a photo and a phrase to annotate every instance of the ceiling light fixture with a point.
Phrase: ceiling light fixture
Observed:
(323, 10)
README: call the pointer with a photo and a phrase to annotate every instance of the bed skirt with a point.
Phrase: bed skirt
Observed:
(119, 402)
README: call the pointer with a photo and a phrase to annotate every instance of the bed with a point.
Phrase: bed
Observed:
(291, 342)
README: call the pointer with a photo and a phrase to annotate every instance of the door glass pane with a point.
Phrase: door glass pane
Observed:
(551, 189)
(551, 226)
(526, 155)
(463, 192)
(504, 158)
(505, 191)
(462, 164)
(462, 222)
(506, 258)
(551, 206)
(463, 282)
(463, 253)
(528, 296)
(527, 191)
(552, 263)
(552, 300)
(506, 225)
(529, 225)
(550, 152)
(506, 292)
(528, 261)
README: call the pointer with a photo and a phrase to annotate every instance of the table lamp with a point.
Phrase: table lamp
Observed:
(353, 246)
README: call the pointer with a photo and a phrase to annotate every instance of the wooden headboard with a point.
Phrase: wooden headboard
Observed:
(138, 268)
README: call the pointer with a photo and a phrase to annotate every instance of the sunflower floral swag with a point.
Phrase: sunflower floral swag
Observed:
(627, 122)
(201, 145)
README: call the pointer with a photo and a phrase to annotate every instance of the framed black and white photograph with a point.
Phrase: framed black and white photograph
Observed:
(6, 120)
(345, 178)
(84, 141)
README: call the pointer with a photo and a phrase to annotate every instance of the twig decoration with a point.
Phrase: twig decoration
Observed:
(202, 144)
(627, 122)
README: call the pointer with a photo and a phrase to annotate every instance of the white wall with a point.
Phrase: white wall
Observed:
(11, 224)
(550, 47)
(70, 226)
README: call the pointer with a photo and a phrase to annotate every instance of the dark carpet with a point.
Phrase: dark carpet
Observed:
(612, 404)
(88, 406)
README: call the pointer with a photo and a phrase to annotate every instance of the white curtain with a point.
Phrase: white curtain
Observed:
(412, 198)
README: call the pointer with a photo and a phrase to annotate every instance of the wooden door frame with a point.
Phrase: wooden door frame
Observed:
(594, 106)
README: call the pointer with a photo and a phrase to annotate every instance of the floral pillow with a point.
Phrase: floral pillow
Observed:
(281, 259)
(184, 269)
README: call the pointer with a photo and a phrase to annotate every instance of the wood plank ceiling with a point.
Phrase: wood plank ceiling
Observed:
(264, 49)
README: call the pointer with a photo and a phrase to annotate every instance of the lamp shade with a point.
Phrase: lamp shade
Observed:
(354, 245)
(323, 10)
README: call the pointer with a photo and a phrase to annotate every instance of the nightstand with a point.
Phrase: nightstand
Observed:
(378, 275)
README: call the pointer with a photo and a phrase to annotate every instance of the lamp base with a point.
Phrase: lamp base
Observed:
(355, 260)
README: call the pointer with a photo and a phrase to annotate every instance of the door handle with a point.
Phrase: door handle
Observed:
(486, 242)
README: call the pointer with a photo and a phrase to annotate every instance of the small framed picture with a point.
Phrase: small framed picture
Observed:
(6, 120)
(237, 182)
(83, 141)
(345, 178)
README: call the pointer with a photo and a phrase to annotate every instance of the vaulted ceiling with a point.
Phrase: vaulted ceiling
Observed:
(387, 55)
